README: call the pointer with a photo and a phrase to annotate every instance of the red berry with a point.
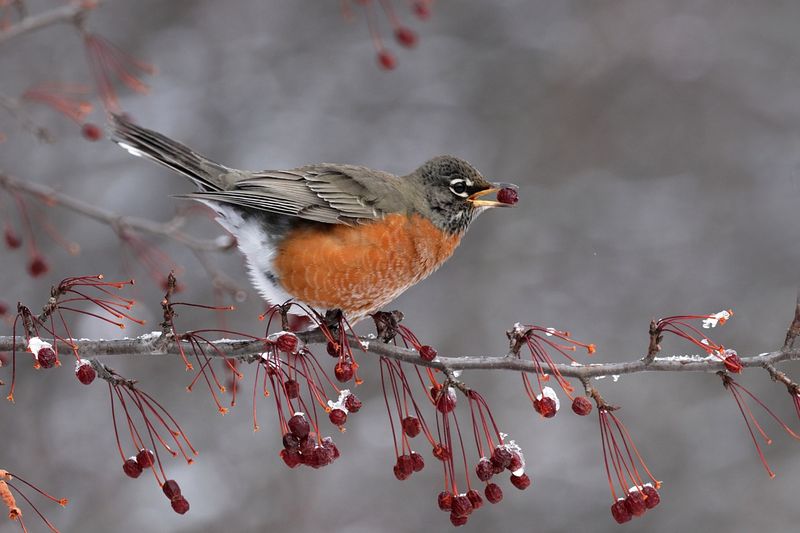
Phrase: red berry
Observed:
(343, 371)
(180, 505)
(620, 512)
(337, 417)
(581, 406)
(331, 448)
(332, 349)
(299, 426)
(38, 266)
(635, 503)
(427, 352)
(421, 9)
(85, 373)
(445, 500)
(507, 196)
(386, 60)
(308, 444)
(475, 498)
(545, 406)
(405, 37)
(399, 473)
(171, 489)
(131, 468)
(484, 469)
(521, 482)
(441, 452)
(732, 362)
(3, 308)
(493, 493)
(292, 458)
(352, 403)
(91, 132)
(406, 465)
(653, 497)
(411, 426)
(46, 357)
(145, 458)
(291, 441)
(501, 456)
(445, 399)
(417, 461)
(458, 520)
(286, 343)
(292, 389)
(461, 506)
(516, 462)
(13, 241)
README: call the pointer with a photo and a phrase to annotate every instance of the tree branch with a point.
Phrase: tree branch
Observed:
(170, 229)
(249, 351)
(67, 13)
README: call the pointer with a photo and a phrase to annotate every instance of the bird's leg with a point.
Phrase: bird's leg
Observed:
(333, 317)
(386, 323)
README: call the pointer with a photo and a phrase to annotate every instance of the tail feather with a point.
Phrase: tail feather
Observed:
(142, 142)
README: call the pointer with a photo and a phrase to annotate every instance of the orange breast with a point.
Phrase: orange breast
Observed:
(359, 269)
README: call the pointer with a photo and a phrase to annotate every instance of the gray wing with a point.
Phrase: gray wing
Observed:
(329, 193)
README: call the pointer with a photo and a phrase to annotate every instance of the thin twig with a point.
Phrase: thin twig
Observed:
(170, 229)
(67, 13)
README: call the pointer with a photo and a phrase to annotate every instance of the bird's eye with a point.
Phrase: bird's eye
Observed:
(459, 187)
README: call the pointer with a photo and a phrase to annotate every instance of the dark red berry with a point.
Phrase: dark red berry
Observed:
(145, 458)
(343, 371)
(131, 468)
(93, 133)
(421, 9)
(308, 444)
(620, 512)
(46, 357)
(733, 363)
(180, 505)
(516, 462)
(3, 308)
(507, 196)
(461, 506)
(581, 406)
(427, 352)
(352, 403)
(399, 473)
(545, 406)
(445, 500)
(635, 503)
(445, 400)
(411, 426)
(333, 349)
(337, 417)
(386, 60)
(13, 241)
(441, 452)
(171, 489)
(405, 37)
(653, 497)
(406, 465)
(475, 498)
(292, 458)
(493, 493)
(85, 373)
(286, 343)
(484, 469)
(331, 448)
(37, 266)
(521, 482)
(299, 426)
(291, 441)
(501, 456)
(417, 461)
(458, 520)
(292, 389)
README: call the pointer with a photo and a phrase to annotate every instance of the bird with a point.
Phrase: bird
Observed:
(331, 237)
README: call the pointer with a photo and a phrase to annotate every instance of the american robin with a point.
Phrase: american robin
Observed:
(330, 236)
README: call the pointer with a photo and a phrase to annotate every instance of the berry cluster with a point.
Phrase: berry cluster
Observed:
(301, 446)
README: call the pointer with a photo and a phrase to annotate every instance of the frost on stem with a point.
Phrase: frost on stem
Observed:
(684, 326)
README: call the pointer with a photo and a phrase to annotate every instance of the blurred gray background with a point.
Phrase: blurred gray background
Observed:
(657, 147)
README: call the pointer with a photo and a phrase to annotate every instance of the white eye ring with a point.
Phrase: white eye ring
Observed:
(458, 187)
